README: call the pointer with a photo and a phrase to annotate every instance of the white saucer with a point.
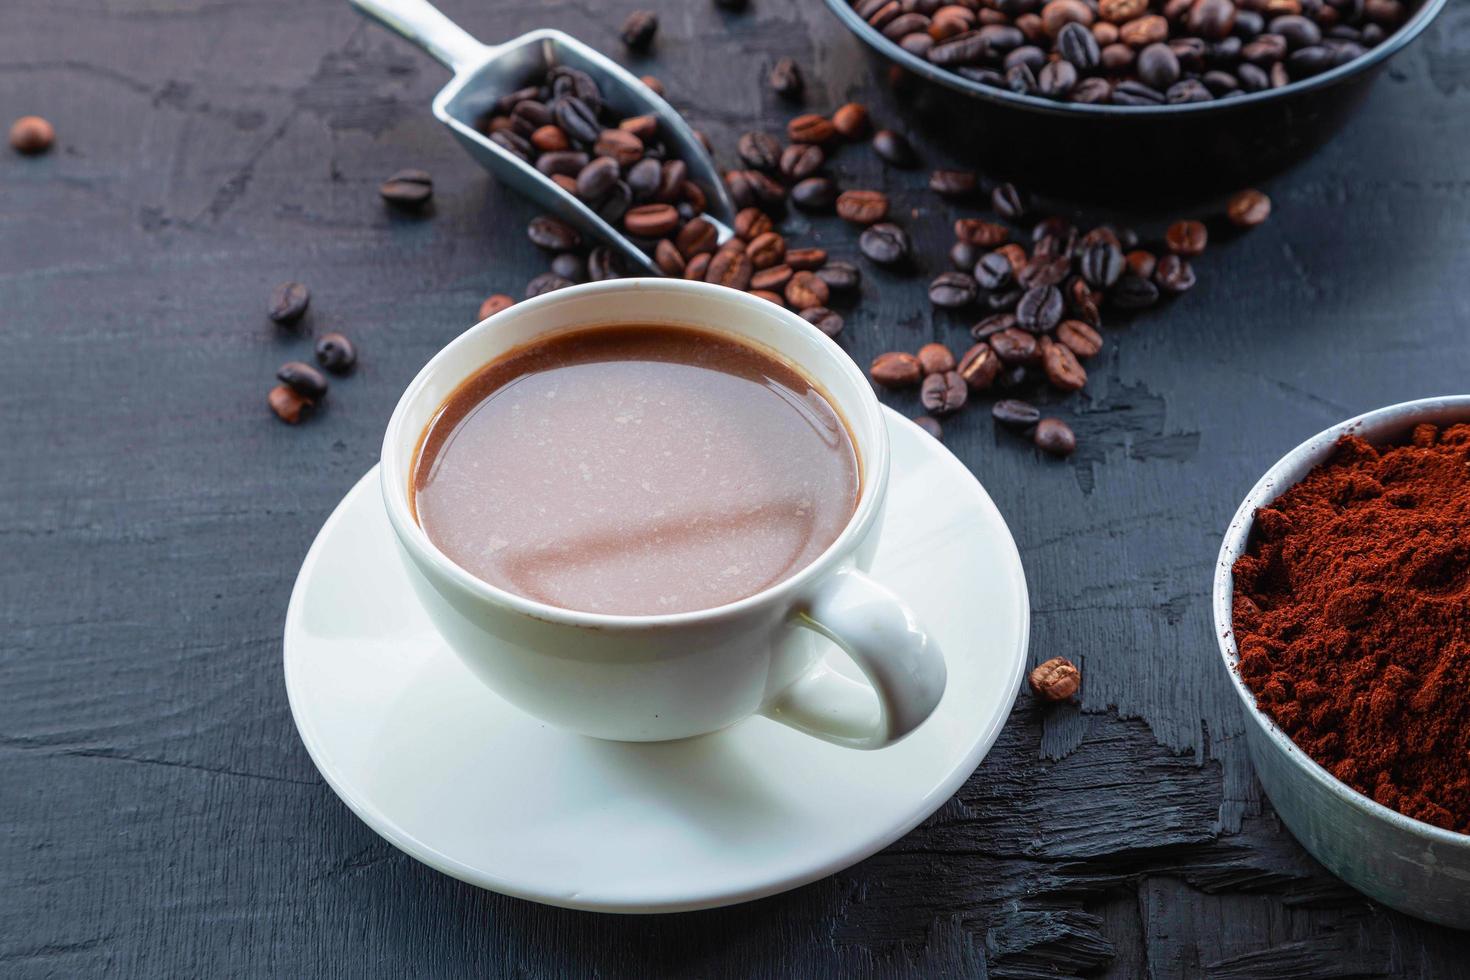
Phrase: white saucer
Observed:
(448, 772)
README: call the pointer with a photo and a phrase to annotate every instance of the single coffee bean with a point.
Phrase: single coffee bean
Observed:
(896, 370)
(992, 325)
(1022, 80)
(596, 178)
(823, 319)
(651, 220)
(1039, 309)
(806, 259)
(1248, 208)
(1015, 346)
(954, 183)
(290, 406)
(862, 207)
(335, 353)
(1299, 32)
(1187, 238)
(407, 188)
(806, 290)
(1102, 264)
(980, 366)
(1082, 301)
(638, 29)
(963, 256)
(303, 379)
(1061, 366)
(750, 223)
(810, 128)
(619, 144)
(814, 194)
(840, 276)
(952, 290)
(774, 278)
(550, 139)
(616, 203)
(1188, 90)
(1129, 92)
(672, 176)
(800, 161)
(851, 120)
(1081, 339)
(1055, 436)
(1057, 79)
(730, 267)
(567, 163)
(570, 265)
(767, 250)
(1141, 263)
(1055, 680)
(930, 425)
(1158, 66)
(695, 237)
(31, 135)
(552, 234)
(494, 304)
(1014, 413)
(885, 243)
(786, 79)
(289, 301)
(1211, 19)
(1133, 292)
(944, 394)
(643, 127)
(893, 148)
(1076, 44)
(644, 177)
(984, 234)
(529, 116)
(696, 268)
(759, 150)
(577, 119)
(1093, 90)
(545, 283)
(666, 256)
(993, 271)
(1174, 275)
(935, 358)
(1008, 202)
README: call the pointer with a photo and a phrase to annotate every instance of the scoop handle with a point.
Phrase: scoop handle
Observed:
(422, 23)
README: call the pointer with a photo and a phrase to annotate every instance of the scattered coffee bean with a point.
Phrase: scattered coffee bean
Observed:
(545, 283)
(800, 161)
(1142, 263)
(732, 268)
(290, 406)
(811, 128)
(570, 266)
(786, 79)
(31, 135)
(851, 121)
(651, 220)
(980, 366)
(1081, 338)
(638, 29)
(407, 189)
(840, 276)
(303, 379)
(893, 148)
(1014, 413)
(1061, 366)
(494, 304)
(862, 207)
(806, 259)
(1187, 238)
(806, 290)
(289, 302)
(552, 234)
(984, 234)
(1174, 274)
(335, 353)
(954, 183)
(1055, 436)
(935, 358)
(1133, 292)
(885, 243)
(823, 319)
(814, 194)
(1248, 208)
(952, 290)
(1008, 202)
(1055, 680)
(944, 393)
(930, 425)
(1015, 346)
(759, 150)
(1040, 309)
(896, 370)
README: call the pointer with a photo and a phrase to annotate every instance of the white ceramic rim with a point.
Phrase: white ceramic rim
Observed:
(863, 416)
(1267, 489)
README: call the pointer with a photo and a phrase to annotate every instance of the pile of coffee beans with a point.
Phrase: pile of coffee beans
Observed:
(621, 168)
(1135, 52)
(302, 386)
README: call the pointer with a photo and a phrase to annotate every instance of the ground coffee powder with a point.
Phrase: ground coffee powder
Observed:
(1352, 615)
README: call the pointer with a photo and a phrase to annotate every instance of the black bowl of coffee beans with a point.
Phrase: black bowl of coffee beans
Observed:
(1127, 97)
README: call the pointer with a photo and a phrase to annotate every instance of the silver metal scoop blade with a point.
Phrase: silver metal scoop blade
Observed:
(483, 73)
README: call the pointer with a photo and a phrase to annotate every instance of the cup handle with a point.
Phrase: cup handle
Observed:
(883, 637)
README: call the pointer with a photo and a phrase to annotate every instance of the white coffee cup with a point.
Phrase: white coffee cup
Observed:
(652, 678)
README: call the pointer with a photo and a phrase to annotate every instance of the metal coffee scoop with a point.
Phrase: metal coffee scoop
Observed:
(484, 73)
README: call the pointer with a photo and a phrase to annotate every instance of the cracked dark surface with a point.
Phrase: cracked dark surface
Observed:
(158, 815)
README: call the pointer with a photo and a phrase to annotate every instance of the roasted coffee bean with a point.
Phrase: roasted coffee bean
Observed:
(805, 290)
(545, 283)
(764, 192)
(638, 29)
(823, 319)
(984, 234)
(1039, 309)
(800, 161)
(963, 256)
(696, 268)
(289, 301)
(1188, 90)
(619, 144)
(893, 148)
(1022, 80)
(570, 265)
(552, 234)
(1129, 92)
(1158, 66)
(993, 271)
(303, 379)
(1080, 338)
(851, 121)
(930, 425)
(1141, 263)
(751, 223)
(730, 267)
(1187, 238)
(885, 243)
(992, 325)
(814, 194)
(810, 128)
(335, 353)
(666, 256)
(550, 139)
(954, 183)
(1211, 19)
(1055, 436)
(759, 150)
(806, 259)
(1043, 271)
(643, 178)
(1057, 79)
(1083, 302)
(1248, 208)
(651, 220)
(1298, 31)
(774, 278)
(568, 163)
(603, 264)
(1014, 413)
(616, 203)
(577, 119)
(840, 276)
(31, 135)
(935, 358)
(643, 127)
(1133, 292)
(408, 188)
(1013, 377)
(494, 304)
(1076, 44)
(290, 406)
(952, 290)
(567, 81)
(786, 80)
(695, 237)
(1008, 202)
(672, 177)
(943, 394)
(862, 207)
(1061, 366)
(1102, 264)
(896, 370)
(980, 366)
(1093, 90)
(596, 178)
(1015, 346)
(767, 250)
(1174, 275)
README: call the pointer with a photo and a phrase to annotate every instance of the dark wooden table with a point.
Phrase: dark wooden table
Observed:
(158, 815)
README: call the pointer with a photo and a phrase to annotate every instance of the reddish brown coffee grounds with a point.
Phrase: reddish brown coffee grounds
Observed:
(1352, 613)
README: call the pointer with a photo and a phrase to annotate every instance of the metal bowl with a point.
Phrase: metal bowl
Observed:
(1128, 151)
(1417, 868)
